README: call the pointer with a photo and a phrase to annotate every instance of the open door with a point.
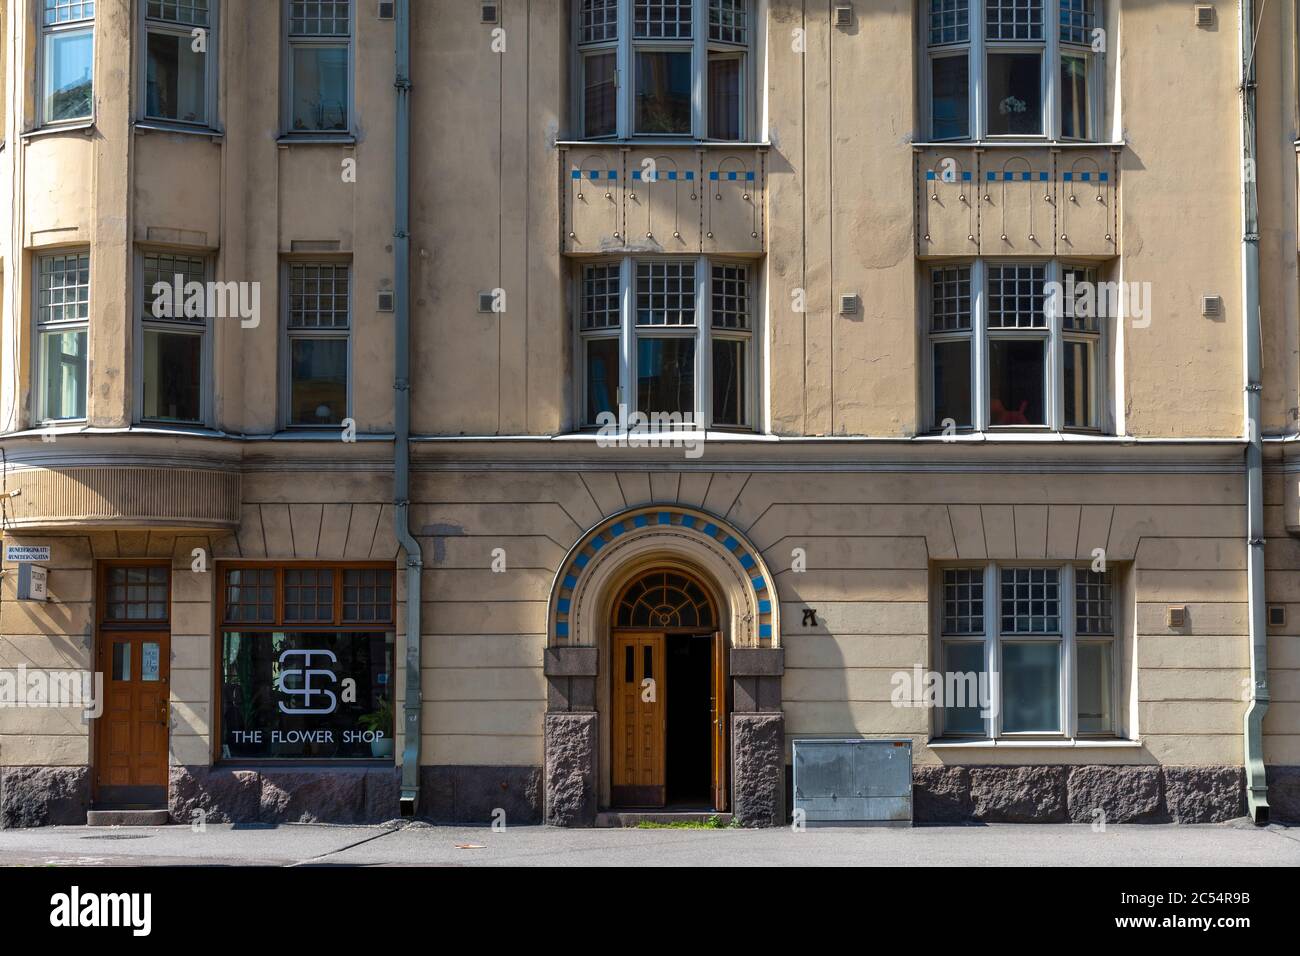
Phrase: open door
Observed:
(640, 692)
(718, 678)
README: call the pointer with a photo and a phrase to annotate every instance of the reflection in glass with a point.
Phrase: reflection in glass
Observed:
(319, 381)
(666, 375)
(724, 96)
(600, 111)
(63, 363)
(320, 88)
(663, 92)
(950, 96)
(69, 61)
(172, 372)
(602, 377)
(962, 669)
(1031, 688)
(1094, 688)
(176, 79)
(1075, 102)
(1015, 97)
(729, 382)
(952, 382)
(1016, 382)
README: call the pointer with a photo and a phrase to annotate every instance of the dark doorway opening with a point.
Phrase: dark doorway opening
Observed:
(689, 732)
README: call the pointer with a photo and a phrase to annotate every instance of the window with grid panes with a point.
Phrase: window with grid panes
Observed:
(62, 335)
(292, 638)
(318, 335)
(179, 71)
(1015, 327)
(173, 338)
(1041, 639)
(682, 362)
(318, 66)
(66, 60)
(1038, 63)
(650, 63)
(136, 594)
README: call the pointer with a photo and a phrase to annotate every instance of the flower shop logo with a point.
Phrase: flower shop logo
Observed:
(307, 689)
(35, 687)
(656, 430)
(179, 299)
(949, 690)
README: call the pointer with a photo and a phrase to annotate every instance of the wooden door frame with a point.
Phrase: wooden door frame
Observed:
(104, 630)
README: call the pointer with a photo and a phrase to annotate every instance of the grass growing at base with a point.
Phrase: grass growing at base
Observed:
(714, 822)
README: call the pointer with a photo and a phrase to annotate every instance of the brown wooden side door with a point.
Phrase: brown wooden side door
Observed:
(718, 691)
(132, 735)
(639, 726)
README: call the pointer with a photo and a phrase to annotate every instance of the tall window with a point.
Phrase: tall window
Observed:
(1017, 345)
(180, 60)
(668, 336)
(1033, 63)
(318, 66)
(173, 331)
(67, 60)
(293, 638)
(1045, 633)
(640, 63)
(62, 334)
(319, 324)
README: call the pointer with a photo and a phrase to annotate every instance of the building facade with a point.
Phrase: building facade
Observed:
(778, 370)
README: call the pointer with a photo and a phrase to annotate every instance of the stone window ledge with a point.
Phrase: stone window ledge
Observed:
(1034, 744)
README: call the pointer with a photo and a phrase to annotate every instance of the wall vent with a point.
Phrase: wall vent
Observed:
(1211, 305)
(853, 781)
(386, 10)
(1277, 616)
(385, 302)
(843, 16)
(489, 13)
(1176, 617)
(487, 301)
(1204, 15)
(849, 304)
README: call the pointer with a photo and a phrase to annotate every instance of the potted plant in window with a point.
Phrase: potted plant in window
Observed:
(380, 722)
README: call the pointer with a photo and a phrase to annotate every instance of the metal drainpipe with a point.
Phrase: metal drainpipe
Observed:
(1256, 785)
(402, 410)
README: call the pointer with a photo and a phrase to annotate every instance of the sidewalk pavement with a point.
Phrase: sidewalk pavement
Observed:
(419, 844)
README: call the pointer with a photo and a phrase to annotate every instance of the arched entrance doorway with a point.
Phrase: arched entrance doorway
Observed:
(668, 694)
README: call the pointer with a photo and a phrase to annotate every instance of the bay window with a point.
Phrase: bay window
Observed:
(1008, 349)
(67, 60)
(173, 360)
(663, 68)
(62, 336)
(1039, 643)
(668, 336)
(1016, 69)
(180, 61)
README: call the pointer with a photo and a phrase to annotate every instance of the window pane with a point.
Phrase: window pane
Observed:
(950, 299)
(177, 79)
(172, 373)
(319, 381)
(1077, 383)
(663, 92)
(320, 18)
(950, 96)
(1031, 688)
(724, 96)
(1017, 297)
(1031, 601)
(1078, 18)
(121, 661)
(320, 88)
(1092, 602)
(368, 595)
(1016, 382)
(190, 12)
(730, 297)
(663, 19)
(1015, 103)
(318, 295)
(63, 364)
(1079, 302)
(665, 293)
(949, 21)
(69, 58)
(1075, 102)
(599, 109)
(963, 665)
(952, 390)
(728, 21)
(64, 11)
(963, 601)
(65, 289)
(1013, 19)
(600, 297)
(1094, 689)
(665, 375)
(250, 594)
(599, 21)
(729, 382)
(150, 661)
(309, 595)
(165, 267)
(602, 377)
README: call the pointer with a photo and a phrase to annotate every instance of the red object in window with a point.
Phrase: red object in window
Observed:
(1003, 417)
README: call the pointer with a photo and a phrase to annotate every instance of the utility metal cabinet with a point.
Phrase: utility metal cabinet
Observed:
(854, 781)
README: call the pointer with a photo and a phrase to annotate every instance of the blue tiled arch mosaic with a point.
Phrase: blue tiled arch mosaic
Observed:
(689, 520)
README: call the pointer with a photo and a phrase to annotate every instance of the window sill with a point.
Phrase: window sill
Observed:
(1101, 743)
(161, 126)
(667, 437)
(1015, 144)
(316, 139)
(85, 128)
(638, 141)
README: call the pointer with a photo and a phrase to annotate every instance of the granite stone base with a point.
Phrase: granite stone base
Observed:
(758, 769)
(283, 795)
(44, 796)
(1083, 794)
(482, 795)
(1284, 794)
(571, 743)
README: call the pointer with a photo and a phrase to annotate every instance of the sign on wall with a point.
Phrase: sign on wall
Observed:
(33, 583)
(27, 552)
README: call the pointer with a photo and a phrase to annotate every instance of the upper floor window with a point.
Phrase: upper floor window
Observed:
(180, 61)
(318, 67)
(318, 332)
(678, 68)
(1027, 650)
(668, 337)
(62, 335)
(1017, 345)
(67, 60)
(1013, 68)
(173, 360)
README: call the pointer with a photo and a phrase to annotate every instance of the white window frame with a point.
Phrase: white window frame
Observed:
(85, 24)
(1055, 335)
(287, 45)
(1068, 640)
(977, 48)
(701, 332)
(211, 60)
(144, 295)
(40, 414)
(699, 45)
(288, 335)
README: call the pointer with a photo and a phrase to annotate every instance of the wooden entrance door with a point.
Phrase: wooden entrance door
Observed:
(131, 750)
(718, 689)
(640, 691)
